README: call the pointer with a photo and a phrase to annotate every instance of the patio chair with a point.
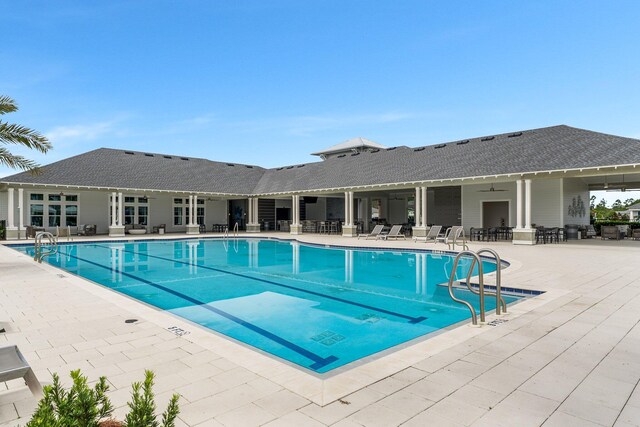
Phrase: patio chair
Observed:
(13, 365)
(374, 233)
(394, 233)
(432, 235)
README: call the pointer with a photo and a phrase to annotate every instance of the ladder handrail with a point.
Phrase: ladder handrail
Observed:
(235, 230)
(500, 302)
(53, 244)
(474, 317)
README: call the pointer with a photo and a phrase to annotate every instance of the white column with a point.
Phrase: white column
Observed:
(194, 212)
(423, 208)
(120, 209)
(21, 208)
(251, 213)
(113, 209)
(418, 207)
(527, 205)
(519, 204)
(10, 207)
(296, 210)
(347, 209)
(189, 222)
(256, 212)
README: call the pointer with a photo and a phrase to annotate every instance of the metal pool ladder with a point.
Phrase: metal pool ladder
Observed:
(501, 306)
(235, 231)
(52, 245)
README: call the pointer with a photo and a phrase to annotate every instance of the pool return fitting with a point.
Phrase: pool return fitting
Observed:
(501, 306)
(43, 250)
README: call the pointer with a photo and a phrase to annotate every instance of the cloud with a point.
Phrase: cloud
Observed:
(71, 134)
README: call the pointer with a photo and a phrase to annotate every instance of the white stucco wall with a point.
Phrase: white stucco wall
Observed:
(546, 195)
(574, 191)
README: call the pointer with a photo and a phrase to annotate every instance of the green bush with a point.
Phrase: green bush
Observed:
(632, 224)
(82, 406)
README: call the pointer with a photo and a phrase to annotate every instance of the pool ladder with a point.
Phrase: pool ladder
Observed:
(235, 231)
(52, 245)
(501, 306)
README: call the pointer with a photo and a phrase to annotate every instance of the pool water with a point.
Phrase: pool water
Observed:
(317, 307)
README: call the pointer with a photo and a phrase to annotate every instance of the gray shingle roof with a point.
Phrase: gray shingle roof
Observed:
(545, 149)
(112, 168)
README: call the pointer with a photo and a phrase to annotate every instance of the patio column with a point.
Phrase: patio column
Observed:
(418, 208)
(192, 227)
(423, 209)
(253, 225)
(194, 211)
(523, 235)
(116, 229)
(519, 204)
(527, 204)
(348, 229)
(296, 228)
(120, 210)
(20, 209)
(10, 211)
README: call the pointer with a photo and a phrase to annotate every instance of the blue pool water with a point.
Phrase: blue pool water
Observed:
(320, 308)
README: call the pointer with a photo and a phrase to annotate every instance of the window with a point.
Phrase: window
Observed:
(71, 215)
(55, 197)
(177, 215)
(55, 212)
(143, 215)
(37, 215)
(177, 201)
(200, 215)
(129, 214)
(128, 199)
(73, 198)
(37, 197)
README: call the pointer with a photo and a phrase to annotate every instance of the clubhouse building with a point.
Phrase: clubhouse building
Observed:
(516, 180)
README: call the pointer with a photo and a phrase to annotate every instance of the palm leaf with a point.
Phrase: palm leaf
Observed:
(16, 134)
(7, 105)
(18, 162)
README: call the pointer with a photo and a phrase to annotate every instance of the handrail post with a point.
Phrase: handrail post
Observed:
(474, 317)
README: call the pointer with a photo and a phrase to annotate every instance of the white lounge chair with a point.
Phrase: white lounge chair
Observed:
(432, 234)
(394, 233)
(374, 233)
(13, 365)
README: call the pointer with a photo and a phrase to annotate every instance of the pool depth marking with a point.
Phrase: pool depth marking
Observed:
(381, 310)
(319, 362)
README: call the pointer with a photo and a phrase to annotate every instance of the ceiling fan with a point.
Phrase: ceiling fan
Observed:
(491, 190)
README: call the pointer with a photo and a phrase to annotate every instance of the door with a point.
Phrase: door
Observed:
(495, 214)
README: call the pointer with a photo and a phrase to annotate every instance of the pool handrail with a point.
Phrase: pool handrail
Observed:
(452, 276)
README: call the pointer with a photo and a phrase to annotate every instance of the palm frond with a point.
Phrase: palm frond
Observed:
(7, 105)
(18, 162)
(16, 134)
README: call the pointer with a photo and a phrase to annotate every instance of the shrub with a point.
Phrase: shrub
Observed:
(82, 406)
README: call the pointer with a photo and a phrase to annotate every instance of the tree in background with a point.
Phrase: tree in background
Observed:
(11, 133)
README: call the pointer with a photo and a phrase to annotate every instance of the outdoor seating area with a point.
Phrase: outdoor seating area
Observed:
(491, 234)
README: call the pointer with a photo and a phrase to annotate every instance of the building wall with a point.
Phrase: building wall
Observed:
(3, 205)
(444, 207)
(474, 195)
(397, 213)
(317, 211)
(546, 195)
(575, 201)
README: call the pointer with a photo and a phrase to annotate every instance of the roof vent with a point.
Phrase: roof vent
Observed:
(466, 141)
(440, 146)
(419, 149)
(184, 158)
(279, 169)
(230, 164)
(129, 152)
(487, 138)
(355, 154)
(301, 166)
(167, 157)
(374, 151)
(248, 167)
(148, 154)
(391, 148)
(289, 167)
(342, 155)
(513, 135)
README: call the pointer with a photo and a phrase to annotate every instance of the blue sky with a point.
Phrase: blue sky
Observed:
(268, 82)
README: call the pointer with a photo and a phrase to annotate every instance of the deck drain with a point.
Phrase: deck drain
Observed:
(328, 338)
(131, 321)
(62, 276)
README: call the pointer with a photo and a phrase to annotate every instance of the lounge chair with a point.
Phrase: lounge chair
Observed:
(374, 233)
(454, 236)
(394, 233)
(432, 235)
(13, 365)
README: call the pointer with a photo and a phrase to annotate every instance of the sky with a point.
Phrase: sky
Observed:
(269, 82)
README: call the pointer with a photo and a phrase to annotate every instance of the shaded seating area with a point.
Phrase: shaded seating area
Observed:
(490, 234)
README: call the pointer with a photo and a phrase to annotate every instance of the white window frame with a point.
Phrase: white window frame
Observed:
(45, 202)
(135, 205)
(184, 217)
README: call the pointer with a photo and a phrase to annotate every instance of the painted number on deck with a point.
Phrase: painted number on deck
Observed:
(178, 331)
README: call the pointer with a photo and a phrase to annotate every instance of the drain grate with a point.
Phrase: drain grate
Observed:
(328, 338)
(497, 322)
(369, 318)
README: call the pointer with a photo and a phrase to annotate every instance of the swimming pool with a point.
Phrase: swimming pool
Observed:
(317, 307)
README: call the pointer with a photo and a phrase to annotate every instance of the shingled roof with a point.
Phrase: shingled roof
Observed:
(538, 150)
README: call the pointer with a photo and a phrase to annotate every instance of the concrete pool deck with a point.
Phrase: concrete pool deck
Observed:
(568, 357)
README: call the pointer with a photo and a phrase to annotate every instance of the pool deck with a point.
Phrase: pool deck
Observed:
(568, 357)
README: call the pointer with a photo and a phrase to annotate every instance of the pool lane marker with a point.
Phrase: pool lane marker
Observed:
(319, 361)
(270, 282)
